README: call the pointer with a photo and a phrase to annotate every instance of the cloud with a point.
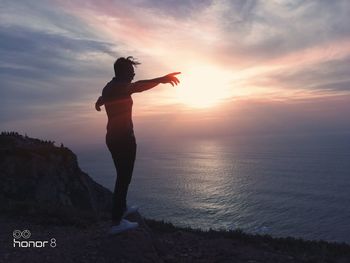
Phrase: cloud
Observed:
(321, 77)
(37, 53)
(43, 15)
(333, 75)
(179, 9)
(45, 68)
(230, 34)
(265, 29)
(251, 117)
(49, 63)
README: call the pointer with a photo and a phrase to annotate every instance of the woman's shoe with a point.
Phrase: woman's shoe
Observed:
(123, 226)
(130, 210)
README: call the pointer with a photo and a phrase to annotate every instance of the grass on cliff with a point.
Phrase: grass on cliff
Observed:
(293, 246)
(50, 215)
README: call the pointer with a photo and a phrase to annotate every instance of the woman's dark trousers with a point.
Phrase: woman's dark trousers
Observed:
(123, 150)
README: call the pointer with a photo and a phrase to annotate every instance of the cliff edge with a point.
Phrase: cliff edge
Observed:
(38, 172)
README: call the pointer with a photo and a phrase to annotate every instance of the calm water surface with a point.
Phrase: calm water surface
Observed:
(284, 186)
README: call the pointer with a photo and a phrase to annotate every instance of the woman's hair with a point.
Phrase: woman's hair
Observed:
(123, 66)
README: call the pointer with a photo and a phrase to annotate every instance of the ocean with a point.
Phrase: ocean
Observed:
(287, 185)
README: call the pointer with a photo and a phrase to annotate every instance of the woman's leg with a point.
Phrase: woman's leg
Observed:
(123, 154)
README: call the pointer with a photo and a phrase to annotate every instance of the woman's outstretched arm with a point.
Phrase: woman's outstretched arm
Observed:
(143, 85)
(147, 84)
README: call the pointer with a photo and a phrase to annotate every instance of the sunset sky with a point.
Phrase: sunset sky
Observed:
(248, 67)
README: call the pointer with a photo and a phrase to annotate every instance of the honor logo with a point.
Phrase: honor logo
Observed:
(25, 234)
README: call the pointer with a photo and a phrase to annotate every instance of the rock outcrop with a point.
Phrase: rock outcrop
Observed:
(36, 171)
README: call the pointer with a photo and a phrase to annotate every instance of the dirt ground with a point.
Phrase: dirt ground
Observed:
(153, 241)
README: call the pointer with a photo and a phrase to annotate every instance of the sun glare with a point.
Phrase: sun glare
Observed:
(203, 87)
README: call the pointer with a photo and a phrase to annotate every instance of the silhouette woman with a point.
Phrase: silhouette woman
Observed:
(120, 138)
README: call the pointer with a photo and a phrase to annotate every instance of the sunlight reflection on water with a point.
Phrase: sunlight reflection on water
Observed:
(299, 189)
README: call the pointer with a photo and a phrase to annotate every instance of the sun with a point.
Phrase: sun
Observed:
(203, 86)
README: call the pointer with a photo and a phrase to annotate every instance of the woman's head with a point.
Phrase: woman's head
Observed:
(124, 68)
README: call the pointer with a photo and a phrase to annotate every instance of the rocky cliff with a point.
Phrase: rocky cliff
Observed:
(38, 172)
